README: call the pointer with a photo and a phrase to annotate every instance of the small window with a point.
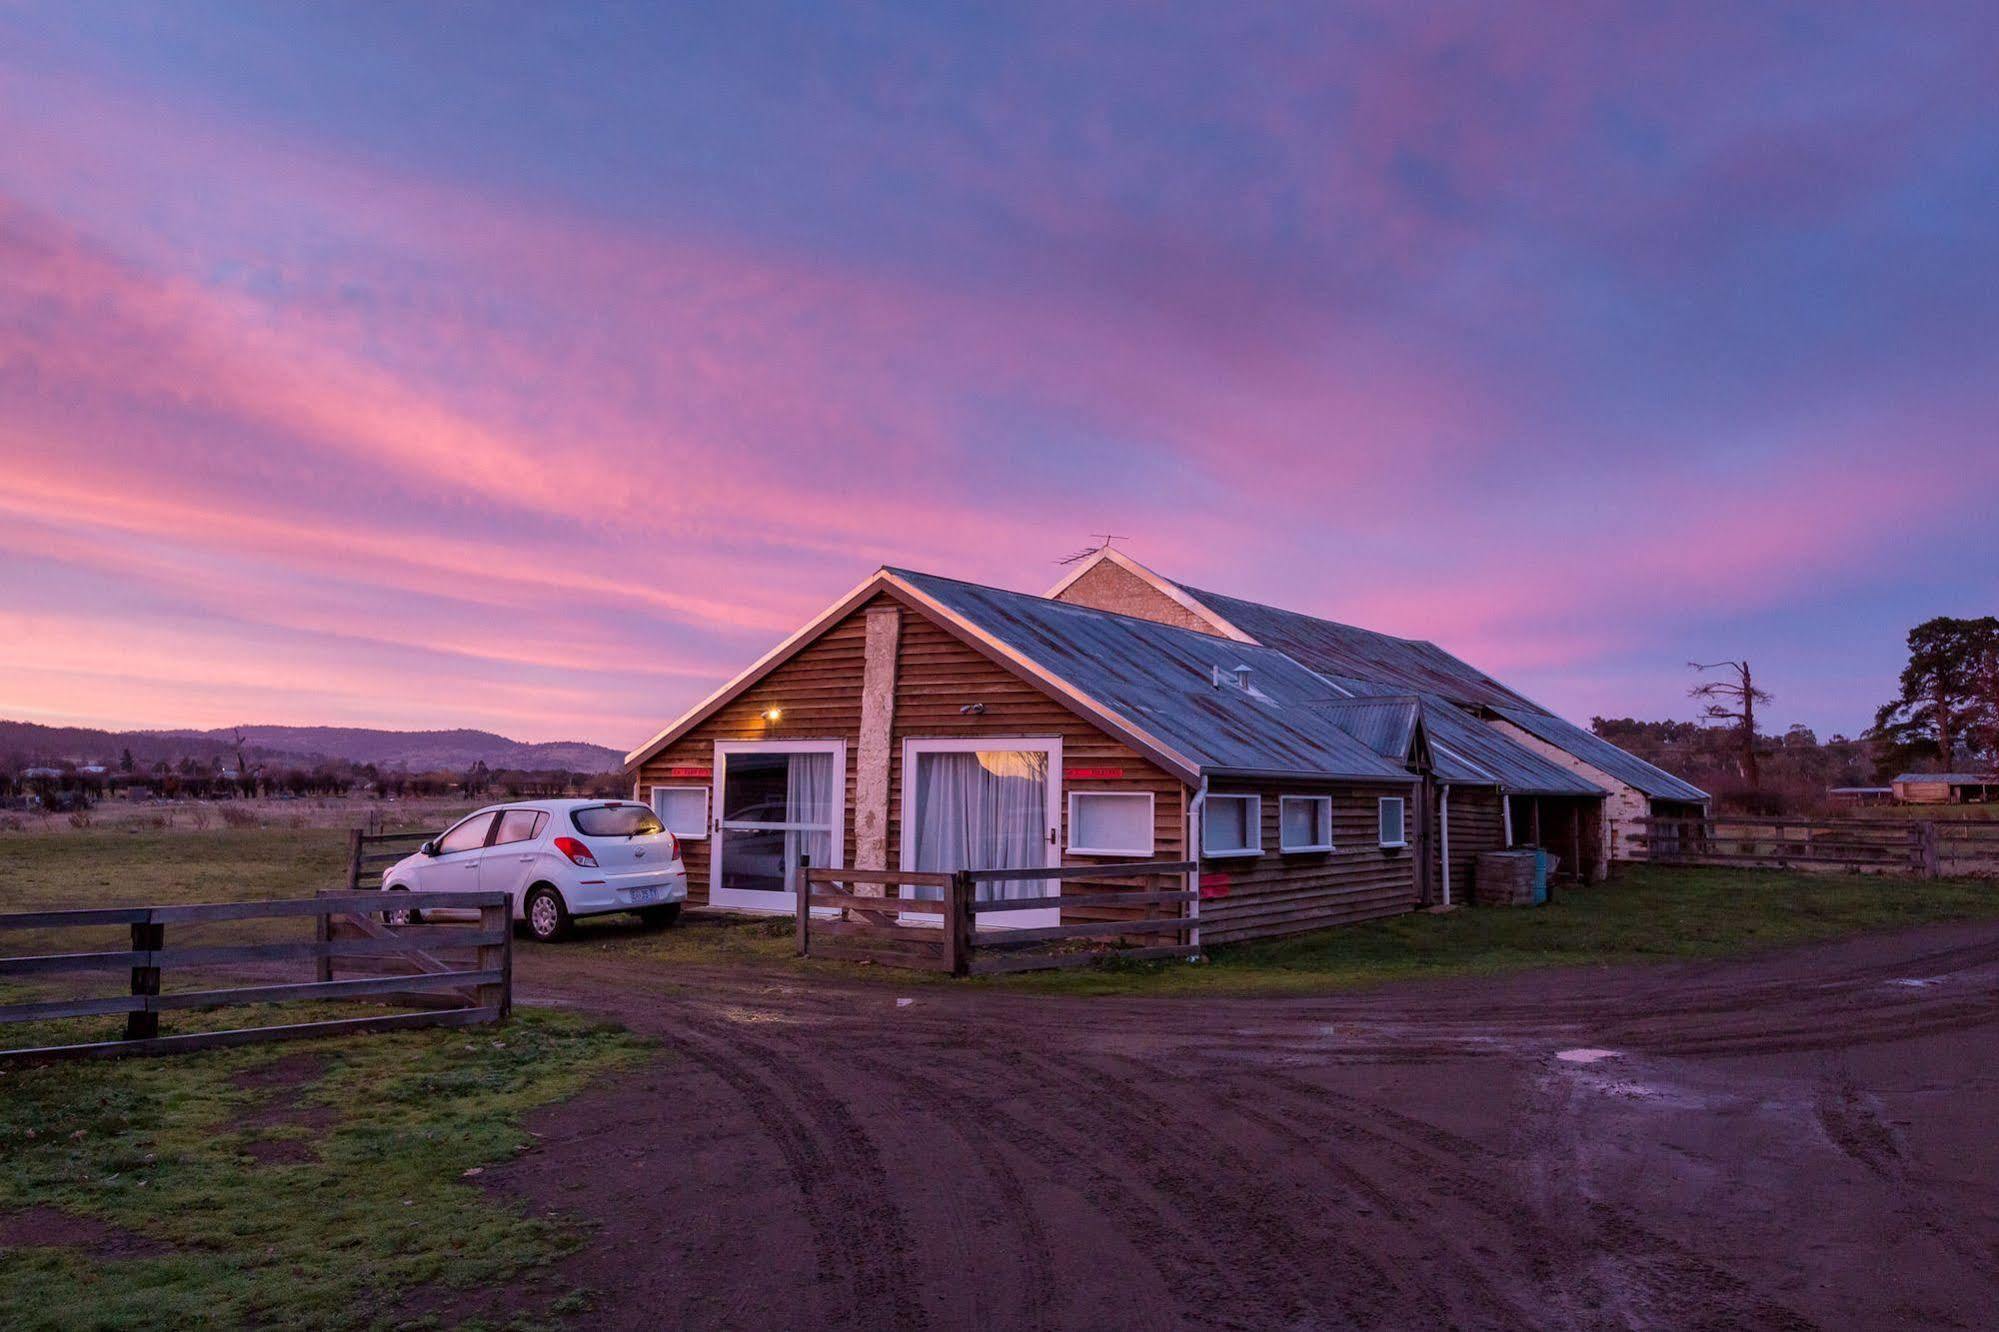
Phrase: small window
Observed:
(1306, 823)
(615, 821)
(683, 809)
(1232, 825)
(1110, 823)
(520, 825)
(1394, 811)
(467, 836)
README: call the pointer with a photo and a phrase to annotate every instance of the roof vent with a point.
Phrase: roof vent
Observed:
(1242, 678)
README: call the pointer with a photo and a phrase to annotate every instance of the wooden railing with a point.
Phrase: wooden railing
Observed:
(344, 927)
(362, 856)
(872, 928)
(1926, 849)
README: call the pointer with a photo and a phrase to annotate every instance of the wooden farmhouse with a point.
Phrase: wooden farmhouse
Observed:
(1316, 773)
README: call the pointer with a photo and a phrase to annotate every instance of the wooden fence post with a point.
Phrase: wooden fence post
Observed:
(497, 957)
(805, 906)
(1932, 867)
(322, 932)
(958, 924)
(354, 860)
(147, 938)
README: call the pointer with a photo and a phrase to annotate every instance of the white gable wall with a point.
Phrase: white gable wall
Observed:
(1621, 812)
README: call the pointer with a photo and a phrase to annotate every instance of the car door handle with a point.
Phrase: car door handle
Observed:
(527, 860)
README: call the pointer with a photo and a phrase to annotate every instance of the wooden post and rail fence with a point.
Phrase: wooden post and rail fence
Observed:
(363, 855)
(345, 927)
(943, 933)
(1927, 849)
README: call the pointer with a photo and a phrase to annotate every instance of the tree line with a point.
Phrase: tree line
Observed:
(1943, 718)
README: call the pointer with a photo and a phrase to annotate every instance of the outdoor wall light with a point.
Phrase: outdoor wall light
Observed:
(773, 714)
(972, 710)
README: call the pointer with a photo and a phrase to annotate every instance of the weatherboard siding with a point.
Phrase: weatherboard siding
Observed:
(1258, 897)
(1478, 823)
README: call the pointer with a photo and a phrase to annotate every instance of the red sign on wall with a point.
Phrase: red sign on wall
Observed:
(1092, 774)
(1214, 885)
(690, 772)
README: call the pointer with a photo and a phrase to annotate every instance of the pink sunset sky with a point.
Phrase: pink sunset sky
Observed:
(537, 367)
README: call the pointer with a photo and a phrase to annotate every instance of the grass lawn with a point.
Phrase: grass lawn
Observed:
(318, 1184)
(1643, 914)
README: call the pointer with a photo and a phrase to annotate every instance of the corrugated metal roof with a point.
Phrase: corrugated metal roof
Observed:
(1463, 749)
(1409, 664)
(1160, 680)
(1515, 767)
(1954, 778)
(1385, 725)
(1602, 755)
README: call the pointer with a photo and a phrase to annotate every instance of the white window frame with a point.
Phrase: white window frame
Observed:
(1381, 807)
(1325, 803)
(1051, 745)
(1254, 824)
(785, 902)
(1075, 849)
(707, 808)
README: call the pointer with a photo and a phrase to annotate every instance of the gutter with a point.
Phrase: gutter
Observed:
(1444, 837)
(1277, 775)
(1194, 810)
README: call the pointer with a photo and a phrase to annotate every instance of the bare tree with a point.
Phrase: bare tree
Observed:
(1732, 700)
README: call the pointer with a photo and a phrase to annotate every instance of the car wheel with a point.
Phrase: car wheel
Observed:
(661, 915)
(547, 917)
(401, 915)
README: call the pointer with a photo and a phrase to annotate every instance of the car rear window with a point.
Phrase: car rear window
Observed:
(616, 821)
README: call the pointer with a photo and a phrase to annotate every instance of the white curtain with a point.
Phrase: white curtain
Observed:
(808, 798)
(983, 811)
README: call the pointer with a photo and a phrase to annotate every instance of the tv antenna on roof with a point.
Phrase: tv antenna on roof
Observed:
(1104, 540)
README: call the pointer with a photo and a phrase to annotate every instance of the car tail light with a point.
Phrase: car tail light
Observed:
(672, 847)
(578, 853)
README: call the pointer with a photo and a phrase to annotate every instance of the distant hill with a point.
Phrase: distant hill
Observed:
(417, 751)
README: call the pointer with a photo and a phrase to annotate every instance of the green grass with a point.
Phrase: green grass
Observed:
(1644, 914)
(376, 1209)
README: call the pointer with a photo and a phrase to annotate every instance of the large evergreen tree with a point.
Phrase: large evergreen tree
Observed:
(1947, 713)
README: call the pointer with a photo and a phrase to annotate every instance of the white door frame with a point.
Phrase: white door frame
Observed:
(739, 899)
(1048, 744)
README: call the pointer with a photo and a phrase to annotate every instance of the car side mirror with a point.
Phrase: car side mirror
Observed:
(428, 848)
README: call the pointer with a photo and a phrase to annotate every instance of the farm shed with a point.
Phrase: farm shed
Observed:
(1587, 818)
(925, 723)
(1945, 788)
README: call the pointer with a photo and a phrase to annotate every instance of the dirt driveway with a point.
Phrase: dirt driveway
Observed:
(1804, 1140)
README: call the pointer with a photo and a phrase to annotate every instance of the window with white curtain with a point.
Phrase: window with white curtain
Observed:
(1110, 823)
(683, 809)
(1232, 825)
(1305, 823)
(1394, 821)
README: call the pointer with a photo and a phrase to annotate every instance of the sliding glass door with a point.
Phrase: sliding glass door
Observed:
(775, 801)
(984, 804)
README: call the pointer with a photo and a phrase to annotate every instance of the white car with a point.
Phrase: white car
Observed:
(559, 859)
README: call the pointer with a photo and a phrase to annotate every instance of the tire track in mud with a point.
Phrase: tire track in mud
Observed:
(988, 1150)
(1852, 1123)
(1182, 1256)
(858, 1233)
(1205, 1179)
(1631, 1273)
(1444, 1248)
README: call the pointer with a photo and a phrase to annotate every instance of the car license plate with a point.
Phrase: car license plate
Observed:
(643, 894)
